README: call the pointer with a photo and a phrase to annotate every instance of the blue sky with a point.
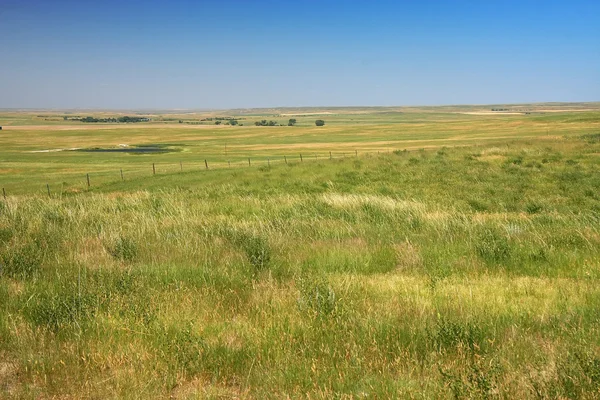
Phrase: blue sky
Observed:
(264, 53)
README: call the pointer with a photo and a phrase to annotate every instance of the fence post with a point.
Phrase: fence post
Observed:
(48, 187)
(330, 155)
(4, 193)
(285, 158)
(206, 164)
(356, 153)
(153, 169)
(269, 162)
(88, 180)
(249, 161)
(300, 157)
(180, 166)
(122, 175)
(229, 162)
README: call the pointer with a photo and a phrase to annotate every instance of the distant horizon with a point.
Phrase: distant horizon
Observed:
(593, 102)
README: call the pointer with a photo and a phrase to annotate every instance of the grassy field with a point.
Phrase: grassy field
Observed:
(29, 160)
(455, 256)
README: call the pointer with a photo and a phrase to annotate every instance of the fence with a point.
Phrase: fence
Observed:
(146, 170)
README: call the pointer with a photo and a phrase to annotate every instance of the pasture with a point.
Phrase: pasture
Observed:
(439, 253)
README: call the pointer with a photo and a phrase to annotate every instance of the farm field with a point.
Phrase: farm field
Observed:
(437, 253)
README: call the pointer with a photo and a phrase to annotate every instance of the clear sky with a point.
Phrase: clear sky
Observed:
(265, 53)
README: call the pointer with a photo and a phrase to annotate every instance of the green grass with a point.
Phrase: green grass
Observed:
(25, 170)
(464, 271)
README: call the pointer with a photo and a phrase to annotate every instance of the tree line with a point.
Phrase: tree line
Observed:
(125, 119)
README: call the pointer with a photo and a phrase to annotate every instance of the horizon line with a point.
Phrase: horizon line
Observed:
(594, 102)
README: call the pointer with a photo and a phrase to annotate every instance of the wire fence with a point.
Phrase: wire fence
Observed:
(76, 183)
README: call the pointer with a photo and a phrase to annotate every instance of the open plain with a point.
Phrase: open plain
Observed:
(394, 252)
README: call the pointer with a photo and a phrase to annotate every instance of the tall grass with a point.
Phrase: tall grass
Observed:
(468, 273)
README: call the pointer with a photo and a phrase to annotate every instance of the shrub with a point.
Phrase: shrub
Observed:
(264, 122)
(319, 122)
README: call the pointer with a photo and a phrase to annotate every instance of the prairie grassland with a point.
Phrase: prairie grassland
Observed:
(467, 272)
(26, 169)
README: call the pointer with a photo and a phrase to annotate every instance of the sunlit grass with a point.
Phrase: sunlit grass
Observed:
(467, 272)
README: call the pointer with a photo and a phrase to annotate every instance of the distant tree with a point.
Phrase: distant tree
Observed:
(217, 122)
(264, 122)
(65, 118)
(292, 122)
(319, 122)
(233, 122)
(180, 121)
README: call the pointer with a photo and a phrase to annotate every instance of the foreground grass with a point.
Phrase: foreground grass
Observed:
(459, 272)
